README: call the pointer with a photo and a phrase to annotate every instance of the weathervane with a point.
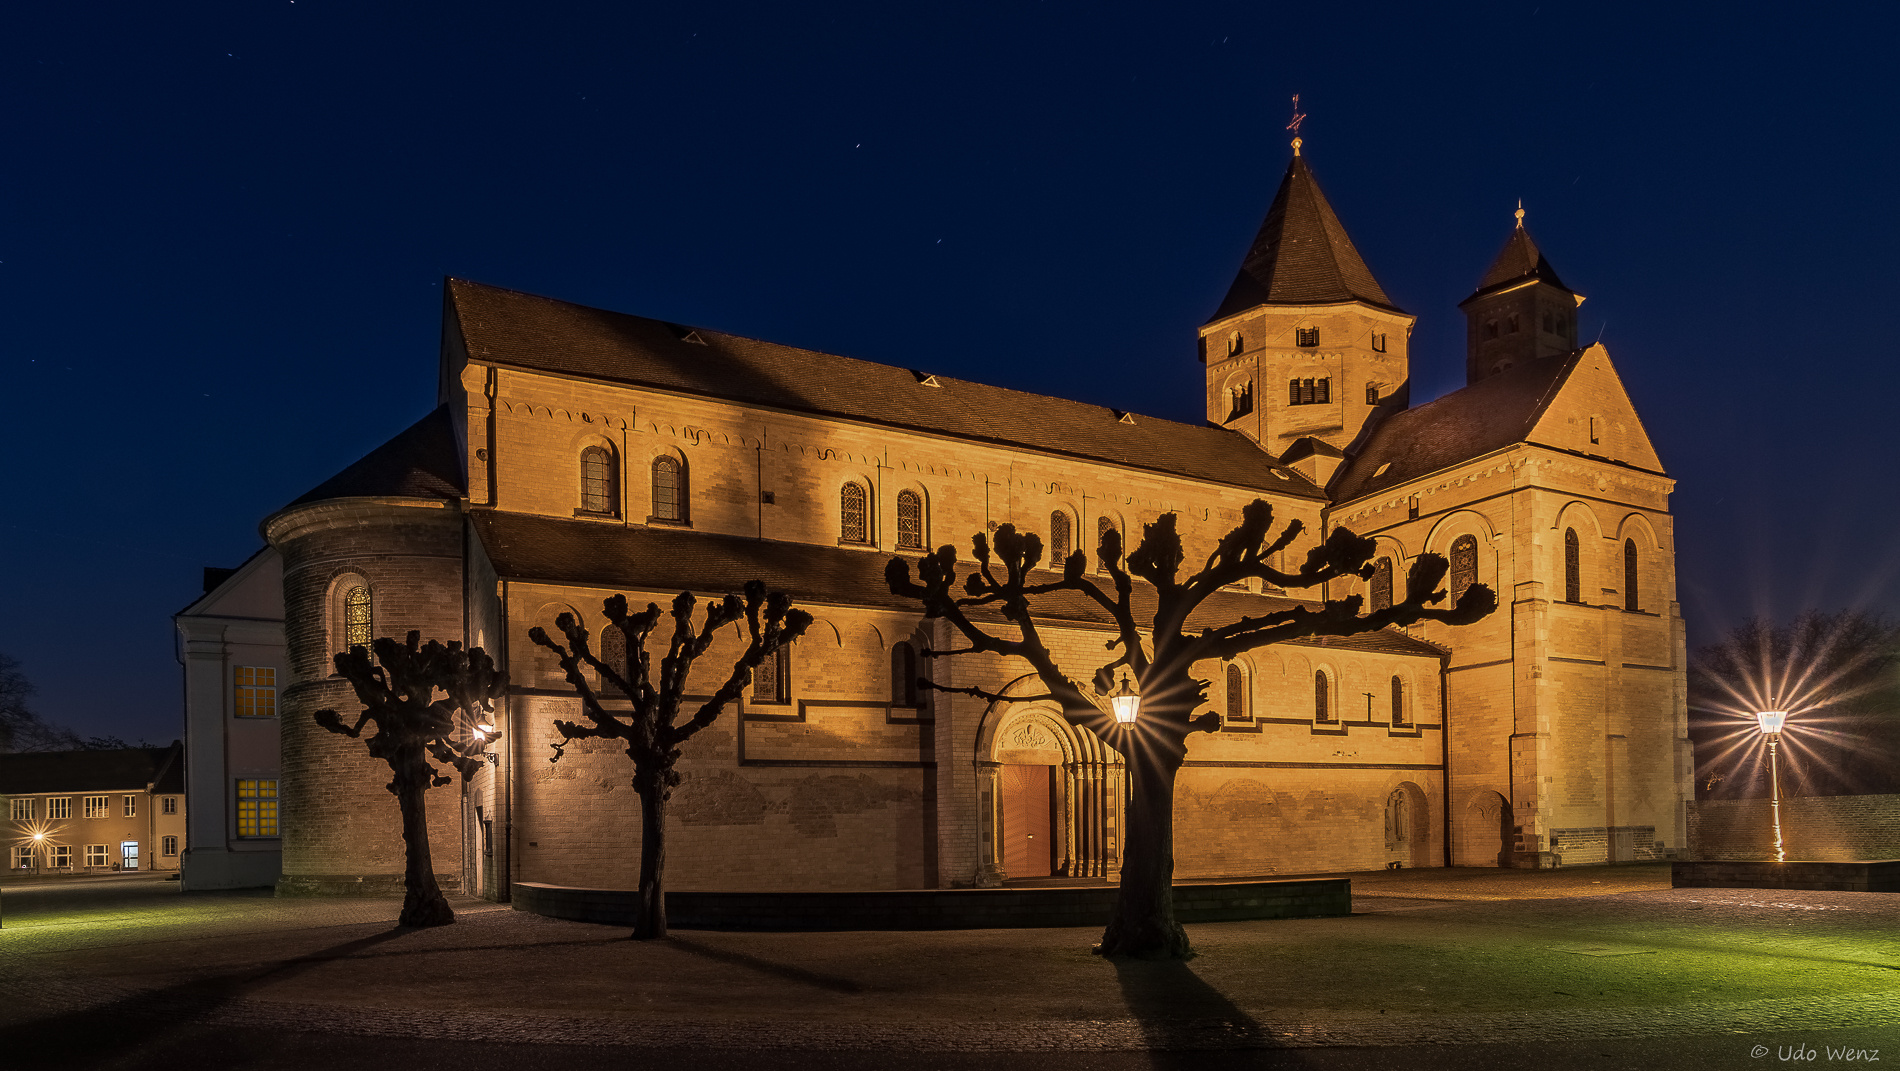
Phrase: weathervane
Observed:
(1520, 211)
(1298, 118)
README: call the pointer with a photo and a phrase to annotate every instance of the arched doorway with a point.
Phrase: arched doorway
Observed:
(1407, 832)
(1484, 830)
(1051, 796)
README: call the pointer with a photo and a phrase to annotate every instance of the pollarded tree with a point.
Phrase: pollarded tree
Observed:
(651, 729)
(1171, 696)
(398, 692)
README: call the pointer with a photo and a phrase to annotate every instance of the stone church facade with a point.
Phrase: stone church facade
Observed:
(577, 453)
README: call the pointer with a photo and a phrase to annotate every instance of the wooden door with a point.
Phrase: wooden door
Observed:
(1028, 834)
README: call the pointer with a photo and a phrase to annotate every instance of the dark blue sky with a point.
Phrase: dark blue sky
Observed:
(223, 229)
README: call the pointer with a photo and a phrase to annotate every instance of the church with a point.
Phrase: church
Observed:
(576, 453)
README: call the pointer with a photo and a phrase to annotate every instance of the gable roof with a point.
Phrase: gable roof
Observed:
(588, 553)
(422, 461)
(1302, 255)
(125, 770)
(1518, 262)
(511, 328)
(1470, 422)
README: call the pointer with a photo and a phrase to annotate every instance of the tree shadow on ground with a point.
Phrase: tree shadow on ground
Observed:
(765, 966)
(97, 1036)
(1184, 1019)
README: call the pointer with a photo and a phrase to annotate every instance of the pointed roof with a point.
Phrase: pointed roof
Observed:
(422, 461)
(1302, 255)
(1519, 261)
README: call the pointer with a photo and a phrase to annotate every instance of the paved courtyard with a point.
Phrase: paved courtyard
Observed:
(1428, 958)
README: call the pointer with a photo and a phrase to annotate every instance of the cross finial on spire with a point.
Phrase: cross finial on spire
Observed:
(1520, 212)
(1298, 118)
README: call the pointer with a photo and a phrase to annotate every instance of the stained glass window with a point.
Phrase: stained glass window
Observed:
(910, 520)
(1061, 541)
(1573, 567)
(597, 480)
(1464, 566)
(358, 626)
(851, 513)
(1236, 693)
(1322, 704)
(668, 501)
(257, 808)
(1382, 585)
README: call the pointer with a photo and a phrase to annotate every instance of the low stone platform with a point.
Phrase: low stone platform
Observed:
(1867, 876)
(936, 909)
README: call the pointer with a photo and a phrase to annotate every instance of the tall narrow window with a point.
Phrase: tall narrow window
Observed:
(598, 485)
(1061, 542)
(1103, 526)
(1491, 329)
(1322, 702)
(851, 513)
(1372, 394)
(256, 688)
(1464, 566)
(1573, 567)
(1236, 693)
(1630, 601)
(903, 675)
(168, 846)
(169, 805)
(1378, 342)
(772, 681)
(257, 808)
(669, 491)
(910, 520)
(1398, 701)
(131, 807)
(1382, 585)
(358, 627)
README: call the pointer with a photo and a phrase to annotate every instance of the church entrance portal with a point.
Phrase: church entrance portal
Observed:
(1029, 805)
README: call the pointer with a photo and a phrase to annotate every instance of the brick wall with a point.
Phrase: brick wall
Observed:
(1823, 828)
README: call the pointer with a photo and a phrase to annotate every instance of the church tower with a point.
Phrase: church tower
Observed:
(1521, 311)
(1307, 347)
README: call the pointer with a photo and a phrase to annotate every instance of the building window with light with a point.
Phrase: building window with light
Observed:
(1382, 585)
(21, 810)
(910, 520)
(131, 807)
(1630, 601)
(257, 808)
(96, 807)
(358, 622)
(1061, 538)
(168, 846)
(599, 483)
(60, 856)
(1573, 567)
(59, 807)
(22, 857)
(95, 855)
(256, 689)
(669, 490)
(168, 805)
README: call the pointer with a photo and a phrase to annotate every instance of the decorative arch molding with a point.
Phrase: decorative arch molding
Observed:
(1456, 523)
(1408, 823)
(1636, 525)
(1568, 517)
(1089, 786)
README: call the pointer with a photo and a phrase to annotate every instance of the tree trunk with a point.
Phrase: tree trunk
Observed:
(423, 903)
(650, 923)
(1143, 925)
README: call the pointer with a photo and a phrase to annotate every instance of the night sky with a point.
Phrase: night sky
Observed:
(223, 230)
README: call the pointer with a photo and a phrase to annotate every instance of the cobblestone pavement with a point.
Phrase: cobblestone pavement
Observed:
(1428, 957)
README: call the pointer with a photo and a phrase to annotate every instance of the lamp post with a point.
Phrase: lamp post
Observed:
(1126, 703)
(1770, 723)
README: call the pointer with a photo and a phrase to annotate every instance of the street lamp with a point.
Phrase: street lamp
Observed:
(1126, 703)
(1770, 723)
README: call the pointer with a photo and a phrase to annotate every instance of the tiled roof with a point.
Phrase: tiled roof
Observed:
(521, 330)
(1487, 415)
(423, 461)
(527, 547)
(1302, 255)
(127, 770)
(1520, 260)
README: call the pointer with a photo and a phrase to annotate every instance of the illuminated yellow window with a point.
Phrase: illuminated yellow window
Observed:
(358, 625)
(256, 692)
(131, 807)
(257, 808)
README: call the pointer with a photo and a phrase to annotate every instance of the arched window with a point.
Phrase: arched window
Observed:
(1464, 566)
(1103, 526)
(910, 520)
(598, 485)
(1630, 601)
(851, 514)
(669, 490)
(613, 650)
(1236, 693)
(1573, 567)
(1322, 701)
(1382, 585)
(903, 675)
(1398, 701)
(1061, 542)
(772, 680)
(359, 626)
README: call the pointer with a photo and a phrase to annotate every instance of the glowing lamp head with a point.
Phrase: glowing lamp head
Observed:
(39, 836)
(1126, 703)
(1771, 721)
(485, 729)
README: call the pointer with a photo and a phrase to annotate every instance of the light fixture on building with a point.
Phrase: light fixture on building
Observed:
(1126, 703)
(1770, 722)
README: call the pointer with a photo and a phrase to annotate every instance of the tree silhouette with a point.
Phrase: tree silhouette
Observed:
(652, 730)
(397, 691)
(1143, 924)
